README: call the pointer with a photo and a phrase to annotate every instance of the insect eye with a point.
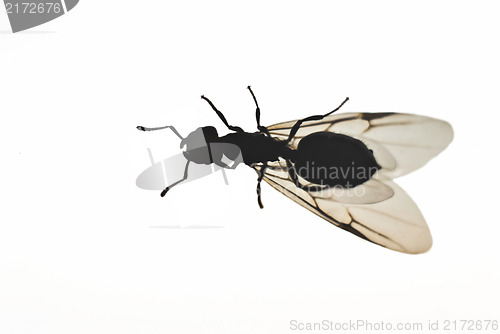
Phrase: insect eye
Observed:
(210, 133)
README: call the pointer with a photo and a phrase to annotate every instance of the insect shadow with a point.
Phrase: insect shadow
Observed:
(177, 169)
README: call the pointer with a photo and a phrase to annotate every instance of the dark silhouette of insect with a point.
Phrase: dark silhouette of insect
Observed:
(339, 166)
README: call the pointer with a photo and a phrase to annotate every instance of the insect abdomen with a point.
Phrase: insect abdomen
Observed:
(334, 159)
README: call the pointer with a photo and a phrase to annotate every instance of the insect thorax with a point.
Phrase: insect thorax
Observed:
(257, 147)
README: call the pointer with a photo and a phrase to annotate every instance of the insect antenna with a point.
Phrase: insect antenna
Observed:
(164, 192)
(142, 128)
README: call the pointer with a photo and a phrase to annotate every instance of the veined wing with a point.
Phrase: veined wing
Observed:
(395, 223)
(401, 143)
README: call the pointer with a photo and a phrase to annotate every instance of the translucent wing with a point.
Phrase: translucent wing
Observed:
(401, 143)
(395, 223)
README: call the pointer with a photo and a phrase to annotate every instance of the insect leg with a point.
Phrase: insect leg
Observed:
(297, 125)
(221, 116)
(259, 180)
(142, 128)
(257, 114)
(176, 183)
(293, 175)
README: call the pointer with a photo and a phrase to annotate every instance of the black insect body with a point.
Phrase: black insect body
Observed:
(338, 166)
(328, 150)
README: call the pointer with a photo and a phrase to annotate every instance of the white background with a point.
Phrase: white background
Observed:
(83, 250)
